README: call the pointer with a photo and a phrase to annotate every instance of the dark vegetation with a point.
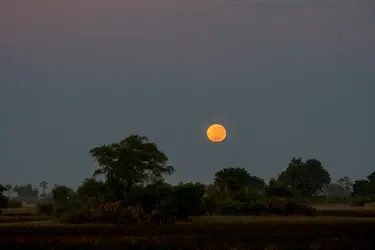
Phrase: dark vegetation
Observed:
(136, 200)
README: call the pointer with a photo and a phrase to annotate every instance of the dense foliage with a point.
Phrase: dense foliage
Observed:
(133, 189)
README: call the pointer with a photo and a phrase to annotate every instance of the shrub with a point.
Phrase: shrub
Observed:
(358, 202)
(14, 204)
(292, 207)
(3, 201)
(45, 208)
(258, 208)
(228, 207)
(289, 207)
(95, 211)
(161, 217)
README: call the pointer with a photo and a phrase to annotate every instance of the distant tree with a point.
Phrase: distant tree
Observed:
(346, 183)
(91, 188)
(234, 179)
(62, 194)
(365, 187)
(371, 178)
(26, 191)
(8, 190)
(276, 189)
(305, 177)
(361, 187)
(44, 186)
(131, 162)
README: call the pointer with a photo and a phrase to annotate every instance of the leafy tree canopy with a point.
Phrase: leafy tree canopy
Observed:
(62, 193)
(91, 188)
(132, 161)
(237, 178)
(305, 177)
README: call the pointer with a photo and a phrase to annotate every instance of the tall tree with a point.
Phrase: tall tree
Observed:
(305, 177)
(44, 186)
(132, 161)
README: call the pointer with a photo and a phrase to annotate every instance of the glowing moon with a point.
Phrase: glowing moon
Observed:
(216, 133)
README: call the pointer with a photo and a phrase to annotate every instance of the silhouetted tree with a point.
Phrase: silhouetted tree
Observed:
(44, 186)
(305, 177)
(130, 162)
(91, 188)
(26, 191)
(62, 194)
(234, 179)
(347, 184)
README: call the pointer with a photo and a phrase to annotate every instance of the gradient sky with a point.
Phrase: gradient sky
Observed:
(286, 77)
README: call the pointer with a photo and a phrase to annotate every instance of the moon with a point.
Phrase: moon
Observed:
(216, 133)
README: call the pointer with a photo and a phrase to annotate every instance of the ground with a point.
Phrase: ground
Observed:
(211, 232)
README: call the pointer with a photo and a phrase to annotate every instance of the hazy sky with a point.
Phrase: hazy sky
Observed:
(287, 78)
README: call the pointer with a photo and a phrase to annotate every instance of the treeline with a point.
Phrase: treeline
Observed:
(134, 171)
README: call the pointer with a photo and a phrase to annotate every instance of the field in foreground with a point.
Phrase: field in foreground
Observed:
(241, 232)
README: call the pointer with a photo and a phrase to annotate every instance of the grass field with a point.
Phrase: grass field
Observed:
(23, 214)
(367, 207)
(209, 232)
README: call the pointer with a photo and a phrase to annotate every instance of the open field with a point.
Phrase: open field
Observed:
(22, 214)
(344, 210)
(20, 210)
(367, 207)
(211, 232)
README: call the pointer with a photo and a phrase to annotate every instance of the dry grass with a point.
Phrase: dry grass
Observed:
(279, 219)
(341, 207)
(21, 210)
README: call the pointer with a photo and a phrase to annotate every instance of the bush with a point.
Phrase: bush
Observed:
(292, 207)
(258, 208)
(45, 208)
(95, 211)
(358, 202)
(160, 217)
(3, 201)
(289, 207)
(229, 207)
(14, 204)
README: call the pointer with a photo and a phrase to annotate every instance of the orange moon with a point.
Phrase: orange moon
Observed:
(216, 133)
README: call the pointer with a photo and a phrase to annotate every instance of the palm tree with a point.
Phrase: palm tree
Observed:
(44, 187)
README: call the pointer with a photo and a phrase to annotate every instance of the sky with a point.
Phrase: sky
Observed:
(287, 78)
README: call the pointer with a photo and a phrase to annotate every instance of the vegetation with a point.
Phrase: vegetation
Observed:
(129, 188)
